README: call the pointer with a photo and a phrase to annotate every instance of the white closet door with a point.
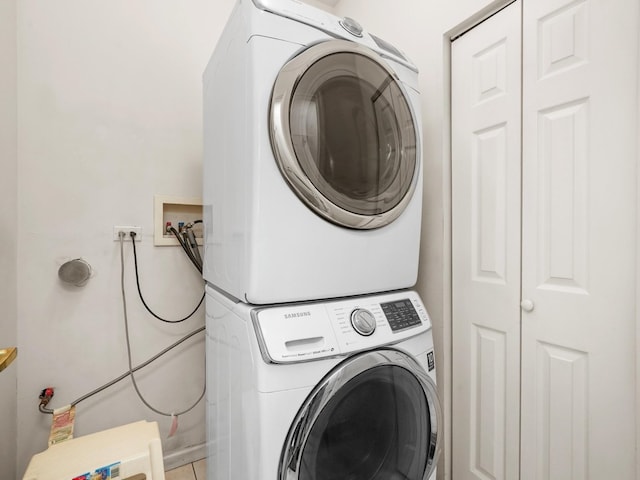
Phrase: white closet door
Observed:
(486, 248)
(579, 239)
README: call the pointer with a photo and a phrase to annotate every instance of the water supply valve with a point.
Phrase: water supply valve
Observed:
(45, 396)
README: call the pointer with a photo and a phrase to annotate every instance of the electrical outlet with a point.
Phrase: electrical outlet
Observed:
(117, 229)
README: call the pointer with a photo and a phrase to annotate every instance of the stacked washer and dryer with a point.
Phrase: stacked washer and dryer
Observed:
(320, 361)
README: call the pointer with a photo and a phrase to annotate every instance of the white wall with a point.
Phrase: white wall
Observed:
(8, 243)
(419, 28)
(109, 114)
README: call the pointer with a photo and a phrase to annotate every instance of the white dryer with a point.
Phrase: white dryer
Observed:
(324, 390)
(312, 158)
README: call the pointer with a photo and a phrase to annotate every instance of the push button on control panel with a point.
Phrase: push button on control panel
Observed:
(363, 322)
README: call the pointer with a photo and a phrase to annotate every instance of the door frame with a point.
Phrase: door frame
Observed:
(638, 263)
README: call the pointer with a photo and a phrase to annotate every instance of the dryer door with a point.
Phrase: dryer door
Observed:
(344, 135)
(376, 416)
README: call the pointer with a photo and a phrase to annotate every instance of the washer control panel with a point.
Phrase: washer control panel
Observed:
(401, 314)
(308, 331)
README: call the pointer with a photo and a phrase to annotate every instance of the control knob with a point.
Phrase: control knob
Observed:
(363, 322)
(351, 26)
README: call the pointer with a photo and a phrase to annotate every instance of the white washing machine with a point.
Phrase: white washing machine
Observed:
(324, 390)
(312, 158)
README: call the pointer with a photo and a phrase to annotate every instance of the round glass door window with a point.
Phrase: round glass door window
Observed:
(344, 135)
(380, 424)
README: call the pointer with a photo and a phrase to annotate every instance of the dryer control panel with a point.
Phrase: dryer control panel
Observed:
(308, 331)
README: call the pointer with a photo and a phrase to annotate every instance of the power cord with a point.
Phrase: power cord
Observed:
(135, 262)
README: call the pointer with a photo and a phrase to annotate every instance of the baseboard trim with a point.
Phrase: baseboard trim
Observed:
(184, 456)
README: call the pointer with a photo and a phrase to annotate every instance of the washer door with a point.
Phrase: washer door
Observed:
(376, 416)
(344, 135)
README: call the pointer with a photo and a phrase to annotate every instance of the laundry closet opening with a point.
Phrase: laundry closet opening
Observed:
(544, 242)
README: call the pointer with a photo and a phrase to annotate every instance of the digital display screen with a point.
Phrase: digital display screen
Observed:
(401, 314)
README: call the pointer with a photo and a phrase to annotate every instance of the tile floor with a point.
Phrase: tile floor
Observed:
(192, 471)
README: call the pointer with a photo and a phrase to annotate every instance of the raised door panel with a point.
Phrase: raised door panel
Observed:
(486, 248)
(579, 239)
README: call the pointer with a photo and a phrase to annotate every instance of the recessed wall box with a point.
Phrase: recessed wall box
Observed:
(176, 210)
